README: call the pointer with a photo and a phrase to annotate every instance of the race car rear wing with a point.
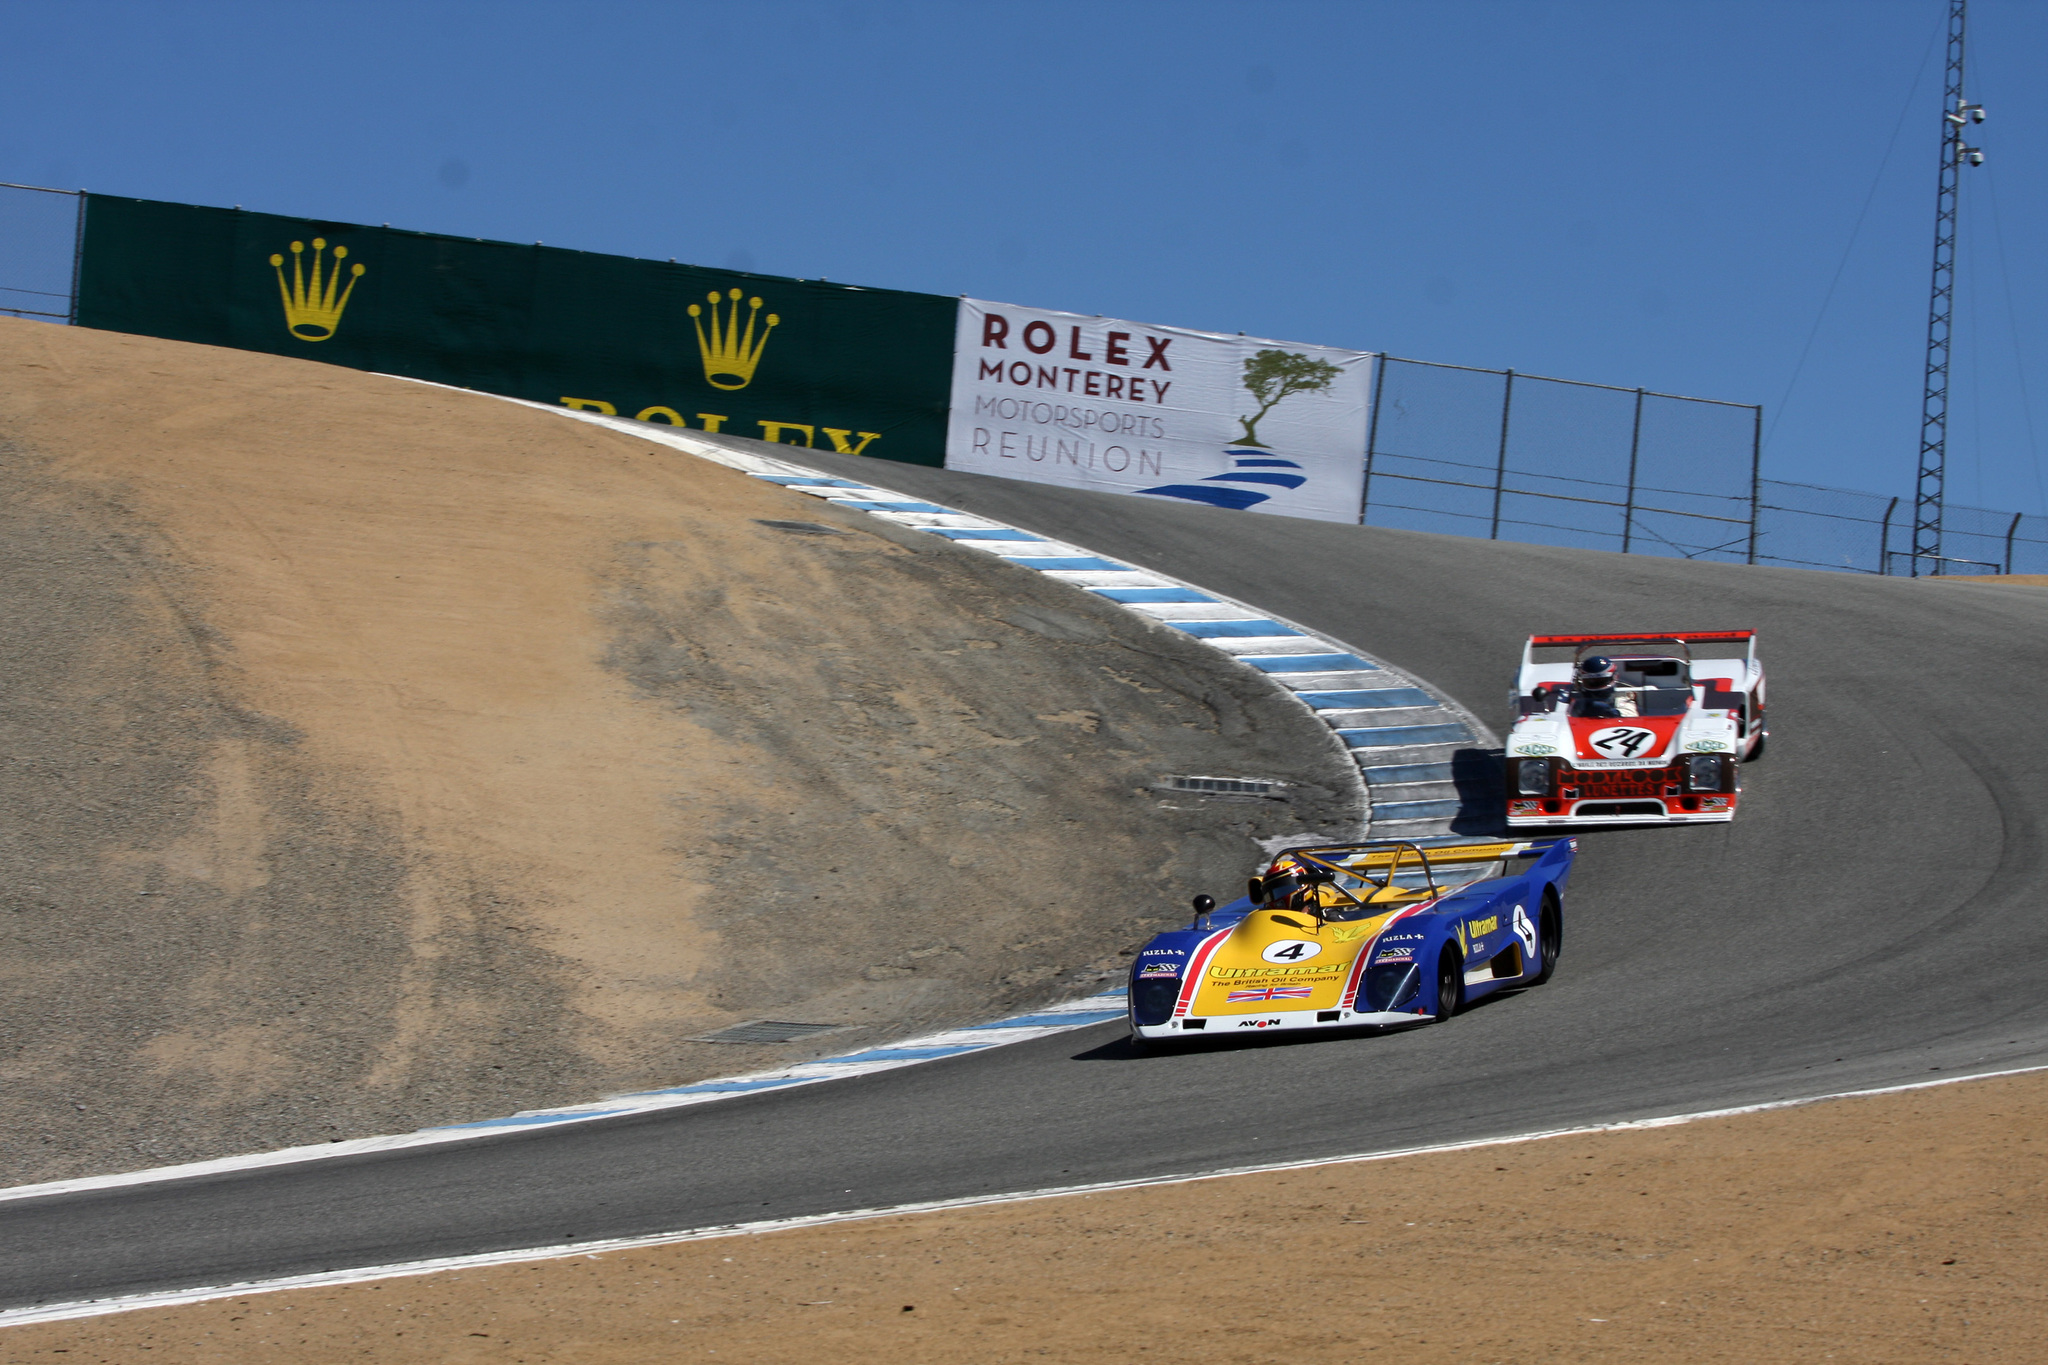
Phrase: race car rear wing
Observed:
(1684, 640)
(1714, 636)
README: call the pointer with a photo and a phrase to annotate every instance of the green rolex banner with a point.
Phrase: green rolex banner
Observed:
(801, 362)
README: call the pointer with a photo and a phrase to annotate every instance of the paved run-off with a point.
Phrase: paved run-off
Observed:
(386, 756)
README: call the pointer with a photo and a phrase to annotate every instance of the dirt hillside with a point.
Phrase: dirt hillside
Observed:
(374, 756)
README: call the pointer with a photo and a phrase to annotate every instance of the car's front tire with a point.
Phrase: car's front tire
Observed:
(1450, 984)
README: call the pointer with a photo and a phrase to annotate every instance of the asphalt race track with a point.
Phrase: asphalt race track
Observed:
(1875, 915)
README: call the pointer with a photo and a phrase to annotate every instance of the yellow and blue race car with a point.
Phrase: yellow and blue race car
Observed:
(1375, 934)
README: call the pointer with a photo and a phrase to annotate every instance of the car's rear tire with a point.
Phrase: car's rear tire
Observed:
(1450, 984)
(1549, 936)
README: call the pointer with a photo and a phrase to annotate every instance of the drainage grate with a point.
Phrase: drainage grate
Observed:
(801, 528)
(1242, 786)
(766, 1031)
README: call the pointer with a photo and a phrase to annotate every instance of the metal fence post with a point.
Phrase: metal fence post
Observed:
(1756, 487)
(1372, 436)
(77, 260)
(1628, 510)
(2010, 532)
(1884, 538)
(1500, 469)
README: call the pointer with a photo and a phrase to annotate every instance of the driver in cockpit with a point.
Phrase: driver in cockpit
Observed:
(1286, 887)
(1313, 889)
(1593, 692)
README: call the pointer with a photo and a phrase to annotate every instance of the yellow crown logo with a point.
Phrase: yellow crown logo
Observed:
(312, 311)
(730, 355)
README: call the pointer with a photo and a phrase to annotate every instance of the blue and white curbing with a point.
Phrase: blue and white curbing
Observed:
(1398, 732)
(1018, 1028)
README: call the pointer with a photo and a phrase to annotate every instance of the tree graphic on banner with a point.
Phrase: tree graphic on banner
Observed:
(1273, 375)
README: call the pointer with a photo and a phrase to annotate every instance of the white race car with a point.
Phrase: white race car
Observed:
(1633, 729)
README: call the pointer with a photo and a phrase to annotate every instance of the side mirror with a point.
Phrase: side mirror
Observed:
(1204, 904)
(1256, 889)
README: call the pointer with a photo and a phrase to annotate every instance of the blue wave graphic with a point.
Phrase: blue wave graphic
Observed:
(1236, 499)
(1253, 467)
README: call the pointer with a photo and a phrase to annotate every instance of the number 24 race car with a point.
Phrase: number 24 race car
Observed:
(1343, 935)
(1633, 729)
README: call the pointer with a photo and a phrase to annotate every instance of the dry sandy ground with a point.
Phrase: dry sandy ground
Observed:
(377, 756)
(1902, 1228)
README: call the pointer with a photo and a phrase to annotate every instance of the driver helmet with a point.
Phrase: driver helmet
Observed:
(1281, 884)
(1596, 677)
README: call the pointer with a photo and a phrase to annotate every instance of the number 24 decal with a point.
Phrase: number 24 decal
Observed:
(1622, 741)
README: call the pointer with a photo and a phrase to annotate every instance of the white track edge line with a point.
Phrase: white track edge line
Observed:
(90, 1308)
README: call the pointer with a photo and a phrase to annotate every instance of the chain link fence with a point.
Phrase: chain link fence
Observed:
(1556, 462)
(40, 234)
(1980, 540)
(1545, 461)
(1466, 451)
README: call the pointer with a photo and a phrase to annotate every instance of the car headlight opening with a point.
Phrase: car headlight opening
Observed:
(1152, 1000)
(1533, 777)
(1389, 985)
(1703, 772)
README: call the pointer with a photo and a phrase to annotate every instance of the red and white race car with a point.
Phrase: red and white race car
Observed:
(1633, 729)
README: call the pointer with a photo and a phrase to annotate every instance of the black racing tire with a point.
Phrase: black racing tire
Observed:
(1549, 936)
(1450, 984)
(1763, 737)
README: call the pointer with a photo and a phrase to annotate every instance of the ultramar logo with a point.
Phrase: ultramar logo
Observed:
(1238, 973)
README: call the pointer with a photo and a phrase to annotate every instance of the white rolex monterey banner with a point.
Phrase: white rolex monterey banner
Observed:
(1128, 407)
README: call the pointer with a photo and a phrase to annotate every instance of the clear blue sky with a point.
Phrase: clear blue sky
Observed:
(1633, 193)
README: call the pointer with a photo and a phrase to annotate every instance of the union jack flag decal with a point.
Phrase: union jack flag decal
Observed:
(1272, 993)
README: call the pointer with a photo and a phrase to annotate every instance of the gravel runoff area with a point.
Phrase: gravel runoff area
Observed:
(379, 756)
(1898, 1228)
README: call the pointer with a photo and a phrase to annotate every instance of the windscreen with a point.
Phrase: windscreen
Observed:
(1354, 882)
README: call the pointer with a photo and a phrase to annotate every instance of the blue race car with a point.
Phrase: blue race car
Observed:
(1377, 934)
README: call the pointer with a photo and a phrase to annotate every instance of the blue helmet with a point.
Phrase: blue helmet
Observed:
(1596, 675)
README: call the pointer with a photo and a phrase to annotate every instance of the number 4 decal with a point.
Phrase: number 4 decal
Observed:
(1525, 931)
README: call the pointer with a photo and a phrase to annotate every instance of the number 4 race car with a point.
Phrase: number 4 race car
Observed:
(1632, 729)
(1343, 935)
